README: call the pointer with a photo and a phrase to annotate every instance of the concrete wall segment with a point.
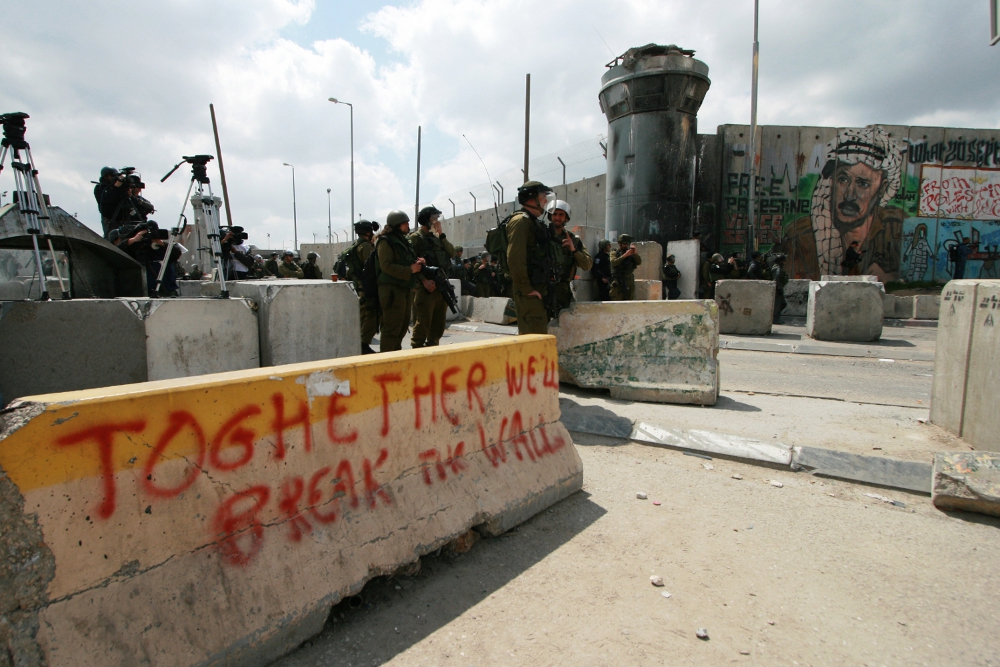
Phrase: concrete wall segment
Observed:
(845, 311)
(981, 419)
(215, 520)
(951, 354)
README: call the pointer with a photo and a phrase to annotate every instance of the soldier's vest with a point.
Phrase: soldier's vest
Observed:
(403, 255)
(543, 255)
(567, 263)
(429, 247)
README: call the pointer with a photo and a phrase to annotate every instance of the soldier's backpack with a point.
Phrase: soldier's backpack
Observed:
(345, 260)
(369, 279)
(496, 242)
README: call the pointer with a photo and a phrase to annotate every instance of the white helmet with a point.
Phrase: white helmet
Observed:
(558, 204)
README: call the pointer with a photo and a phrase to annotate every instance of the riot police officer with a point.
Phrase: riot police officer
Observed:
(624, 259)
(531, 260)
(780, 278)
(431, 245)
(602, 270)
(572, 254)
(398, 265)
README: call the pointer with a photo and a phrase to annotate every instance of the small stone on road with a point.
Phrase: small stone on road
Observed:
(776, 483)
(702, 633)
(641, 496)
(656, 580)
(736, 476)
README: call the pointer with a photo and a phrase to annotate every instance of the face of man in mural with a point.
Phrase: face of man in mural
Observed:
(857, 191)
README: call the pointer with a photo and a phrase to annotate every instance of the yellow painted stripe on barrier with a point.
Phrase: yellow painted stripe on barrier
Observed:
(214, 417)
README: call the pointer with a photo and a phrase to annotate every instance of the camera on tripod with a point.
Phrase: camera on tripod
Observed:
(125, 232)
(237, 232)
(130, 179)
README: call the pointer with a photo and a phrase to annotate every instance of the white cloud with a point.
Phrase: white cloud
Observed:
(130, 84)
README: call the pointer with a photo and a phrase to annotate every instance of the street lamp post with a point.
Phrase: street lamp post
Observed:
(329, 218)
(336, 101)
(295, 215)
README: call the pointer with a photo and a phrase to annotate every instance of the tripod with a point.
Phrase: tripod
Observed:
(30, 201)
(199, 174)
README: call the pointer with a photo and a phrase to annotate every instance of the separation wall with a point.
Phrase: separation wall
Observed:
(215, 520)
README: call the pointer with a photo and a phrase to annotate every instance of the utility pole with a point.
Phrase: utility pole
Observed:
(751, 240)
(527, 121)
(564, 168)
(416, 206)
(329, 218)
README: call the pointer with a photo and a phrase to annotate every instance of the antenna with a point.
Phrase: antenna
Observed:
(613, 55)
(496, 207)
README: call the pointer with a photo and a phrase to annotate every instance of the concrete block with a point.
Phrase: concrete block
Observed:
(648, 290)
(951, 354)
(687, 255)
(926, 306)
(230, 512)
(905, 307)
(199, 288)
(849, 279)
(967, 481)
(466, 303)
(303, 320)
(584, 290)
(187, 337)
(450, 316)
(49, 346)
(981, 418)
(651, 253)
(658, 351)
(845, 311)
(796, 298)
(493, 309)
(745, 306)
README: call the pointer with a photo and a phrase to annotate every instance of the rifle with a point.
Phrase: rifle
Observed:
(440, 279)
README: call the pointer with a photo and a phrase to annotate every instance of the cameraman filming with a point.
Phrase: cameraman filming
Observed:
(120, 199)
(236, 253)
(145, 243)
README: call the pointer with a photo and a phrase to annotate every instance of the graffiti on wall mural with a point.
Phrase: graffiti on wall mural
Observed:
(902, 199)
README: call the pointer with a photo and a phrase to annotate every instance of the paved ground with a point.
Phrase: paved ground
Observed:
(815, 572)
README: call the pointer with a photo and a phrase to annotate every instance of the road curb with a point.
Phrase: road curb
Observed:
(912, 476)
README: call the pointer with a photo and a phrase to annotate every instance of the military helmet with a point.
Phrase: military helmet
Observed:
(671, 258)
(484, 255)
(718, 258)
(459, 248)
(312, 257)
(365, 227)
(108, 171)
(603, 244)
(396, 218)
(625, 238)
(560, 205)
(287, 253)
(530, 190)
(424, 216)
(779, 258)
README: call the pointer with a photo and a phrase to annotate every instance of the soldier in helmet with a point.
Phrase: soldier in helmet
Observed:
(531, 261)
(624, 259)
(572, 254)
(602, 270)
(484, 275)
(430, 309)
(363, 247)
(310, 268)
(398, 265)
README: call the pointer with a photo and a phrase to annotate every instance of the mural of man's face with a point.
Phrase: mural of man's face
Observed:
(857, 192)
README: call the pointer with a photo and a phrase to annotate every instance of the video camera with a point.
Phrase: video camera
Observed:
(130, 179)
(126, 232)
(444, 286)
(237, 232)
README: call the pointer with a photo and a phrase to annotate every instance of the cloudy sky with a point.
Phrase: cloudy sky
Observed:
(130, 83)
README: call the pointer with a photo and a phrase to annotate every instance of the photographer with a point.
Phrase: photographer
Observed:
(137, 241)
(121, 201)
(235, 253)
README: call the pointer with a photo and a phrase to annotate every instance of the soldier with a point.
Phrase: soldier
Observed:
(430, 244)
(459, 271)
(780, 278)
(310, 269)
(757, 267)
(500, 285)
(602, 270)
(624, 259)
(670, 275)
(196, 273)
(484, 275)
(572, 254)
(288, 268)
(271, 266)
(531, 260)
(397, 268)
(356, 259)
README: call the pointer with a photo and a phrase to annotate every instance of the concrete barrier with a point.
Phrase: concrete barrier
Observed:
(584, 290)
(951, 354)
(199, 288)
(845, 311)
(188, 337)
(967, 481)
(897, 307)
(651, 253)
(745, 306)
(658, 351)
(215, 521)
(926, 306)
(687, 255)
(493, 309)
(796, 298)
(303, 320)
(849, 279)
(50, 346)
(648, 290)
(981, 418)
